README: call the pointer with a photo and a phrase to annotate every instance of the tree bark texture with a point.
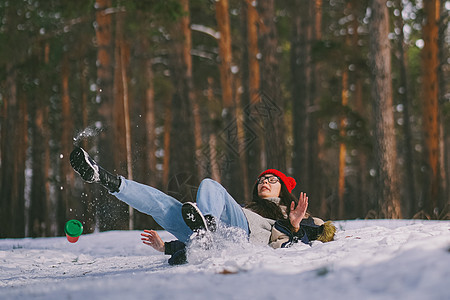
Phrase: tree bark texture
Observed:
(253, 50)
(105, 96)
(150, 123)
(342, 146)
(271, 98)
(410, 203)
(66, 175)
(385, 142)
(230, 133)
(185, 24)
(300, 50)
(118, 210)
(444, 84)
(251, 83)
(314, 148)
(430, 64)
(182, 136)
(14, 138)
(39, 225)
(223, 25)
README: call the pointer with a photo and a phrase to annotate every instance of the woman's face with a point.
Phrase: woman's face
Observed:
(269, 186)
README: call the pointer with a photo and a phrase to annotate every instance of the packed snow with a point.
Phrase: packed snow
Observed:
(369, 259)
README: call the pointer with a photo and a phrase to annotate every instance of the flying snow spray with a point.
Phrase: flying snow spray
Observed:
(73, 230)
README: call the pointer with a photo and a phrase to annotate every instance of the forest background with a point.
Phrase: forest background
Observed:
(349, 97)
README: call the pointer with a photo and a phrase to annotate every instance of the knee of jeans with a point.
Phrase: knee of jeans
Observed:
(208, 182)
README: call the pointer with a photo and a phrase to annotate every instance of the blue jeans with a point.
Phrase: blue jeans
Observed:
(212, 199)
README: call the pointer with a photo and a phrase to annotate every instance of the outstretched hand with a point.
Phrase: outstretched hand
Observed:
(152, 238)
(298, 213)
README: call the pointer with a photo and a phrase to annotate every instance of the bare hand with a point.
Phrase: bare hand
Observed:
(298, 213)
(151, 238)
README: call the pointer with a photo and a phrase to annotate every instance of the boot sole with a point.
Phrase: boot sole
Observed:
(79, 160)
(193, 218)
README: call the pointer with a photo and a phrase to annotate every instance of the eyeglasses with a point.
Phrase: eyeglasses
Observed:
(270, 179)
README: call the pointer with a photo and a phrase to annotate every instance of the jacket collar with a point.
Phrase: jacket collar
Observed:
(275, 200)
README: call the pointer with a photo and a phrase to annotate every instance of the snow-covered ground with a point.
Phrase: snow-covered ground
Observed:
(376, 259)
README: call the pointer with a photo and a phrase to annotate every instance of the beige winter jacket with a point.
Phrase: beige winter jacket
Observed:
(267, 231)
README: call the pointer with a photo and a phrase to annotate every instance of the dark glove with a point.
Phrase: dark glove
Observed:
(177, 250)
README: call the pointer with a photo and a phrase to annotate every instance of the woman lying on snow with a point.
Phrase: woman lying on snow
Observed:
(274, 216)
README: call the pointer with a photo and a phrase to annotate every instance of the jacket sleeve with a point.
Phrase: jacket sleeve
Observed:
(177, 250)
(283, 236)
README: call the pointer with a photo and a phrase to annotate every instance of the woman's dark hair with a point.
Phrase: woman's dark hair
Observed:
(269, 209)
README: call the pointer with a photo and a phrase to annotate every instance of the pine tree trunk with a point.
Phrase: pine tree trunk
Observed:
(252, 78)
(212, 140)
(318, 179)
(360, 108)
(167, 140)
(104, 54)
(315, 165)
(120, 137)
(185, 23)
(240, 135)
(385, 143)
(272, 99)
(182, 139)
(124, 62)
(430, 105)
(66, 174)
(18, 209)
(13, 150)
(362, 185)
(300, 79)
(39, 207)
(252, 40)
(342, 147)
(105, 95)
(182, 136)
(443, 74)
(7, 151)
(410, 185)
(89, 207)
(232, 172)
(223, 24)
(150, 123)
(121, 132)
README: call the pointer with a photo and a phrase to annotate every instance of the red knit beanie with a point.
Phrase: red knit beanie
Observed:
(289, 182)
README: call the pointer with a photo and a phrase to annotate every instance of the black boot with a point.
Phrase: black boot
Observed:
(193, 217)
(195, 220)
(90, 171)
(200, 225)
